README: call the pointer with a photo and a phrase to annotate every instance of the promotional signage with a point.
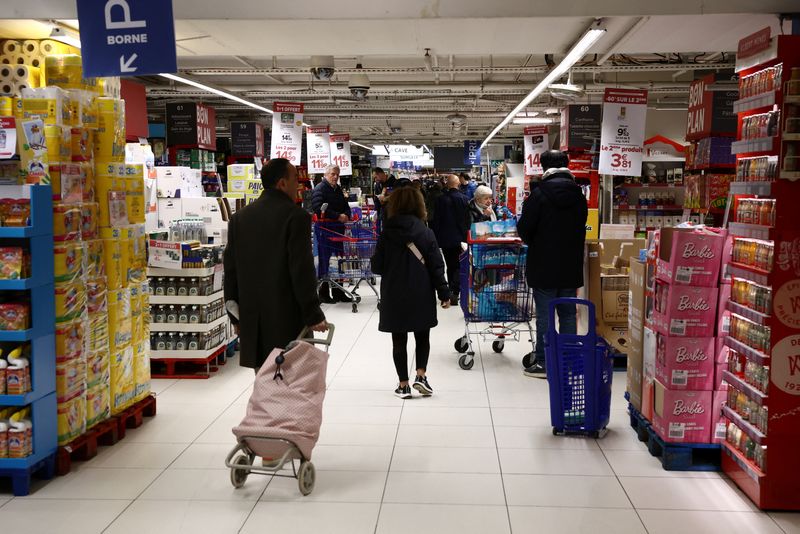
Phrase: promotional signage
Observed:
(472, 152)
(754, 43)
(340, 153)
(318, 148)
(581, 126)
(710, 112)
(287, 132)
(8, 137)
(191, 125)
(622, 138)
(127, 37)
(247, 139)
(536, 142)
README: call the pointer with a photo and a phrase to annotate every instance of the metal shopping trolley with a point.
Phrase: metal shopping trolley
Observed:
(284, 414)
(344, 251)
(579, 373)
(494, 292)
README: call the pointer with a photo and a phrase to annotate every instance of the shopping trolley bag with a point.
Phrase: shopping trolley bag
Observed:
(579, 373)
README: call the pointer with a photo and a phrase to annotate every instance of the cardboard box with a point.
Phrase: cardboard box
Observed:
(615, 298)
(684, 311)
(636, 331)
(719, 427)
(686, 363)
(169, 210)
(243, 172)
(649, 343)
(689, 257)
(682, 416)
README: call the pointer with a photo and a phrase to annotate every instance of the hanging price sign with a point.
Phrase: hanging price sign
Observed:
(318, 148)
(536, 143)
(287, 132)
(340, 153)
(622, 138)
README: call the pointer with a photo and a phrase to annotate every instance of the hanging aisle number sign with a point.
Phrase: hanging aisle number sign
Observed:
(340, 153)
(287, 132)
(318, 148)
(622, 137)
(536, 143)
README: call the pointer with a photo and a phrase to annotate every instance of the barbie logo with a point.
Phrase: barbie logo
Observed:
(684, 355)
(691, 251)
(686, 304)
(693, 408)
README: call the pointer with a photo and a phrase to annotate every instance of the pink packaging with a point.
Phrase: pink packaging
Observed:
(719, 385)
(723, 315)
(686, 363)
(683, 416)
(718, 421)
(684, 311)
(689, 257)
(727, 255)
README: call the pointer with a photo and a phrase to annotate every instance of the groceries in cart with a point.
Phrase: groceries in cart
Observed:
(494, 229)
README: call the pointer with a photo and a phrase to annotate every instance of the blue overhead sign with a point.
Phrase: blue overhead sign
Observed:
(127, 37)
(472, 152)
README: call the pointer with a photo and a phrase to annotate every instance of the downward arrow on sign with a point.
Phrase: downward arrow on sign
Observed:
(125, 65)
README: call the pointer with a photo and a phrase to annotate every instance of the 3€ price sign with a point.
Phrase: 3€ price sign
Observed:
(622, 137)
(340, 153)
(318, 148)
(536, 143)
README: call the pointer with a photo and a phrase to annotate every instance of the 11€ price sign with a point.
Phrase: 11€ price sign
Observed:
(622, 137)
(536, 143)
(340, 153)
(287, 132)
(318, 148)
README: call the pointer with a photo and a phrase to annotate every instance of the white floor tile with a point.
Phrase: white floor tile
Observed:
(445, 436)
(671, 521)
(662, 493)
(643, 464)
(70, 516)
(444, 488)
(132, 455)
(159, 385)
(380, 396)
(444, 416)
(203, 456)
(575, 520)
(362, 415)
(331, 486)
(352, 458)
(565, 491)
(338, 434)
(517, 437)
(530, 417)
(554, 462)
(184, 517)
(203, 485)
(4, 500)
(789, 522)
(86, 482)
(312, 518)
(445, 460)
(171, 428)
(621, 438)
(443, 519)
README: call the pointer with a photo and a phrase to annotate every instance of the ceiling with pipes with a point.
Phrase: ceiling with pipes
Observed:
(437, 71)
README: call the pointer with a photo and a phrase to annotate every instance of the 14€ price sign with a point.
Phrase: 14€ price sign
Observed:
(287, 131)
(340, 153)
(622, 137)
(536, 142)
(318, 148)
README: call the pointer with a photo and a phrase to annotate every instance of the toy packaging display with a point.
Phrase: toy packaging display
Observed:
(682, 416)
(684, 363)
(684, 311)
(690, 256)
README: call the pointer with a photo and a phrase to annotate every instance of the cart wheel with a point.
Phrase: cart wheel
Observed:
(466, 362)
(498, 345)
(355, 308)
(239, 475)
(527, 360)
(556, 431)
(461, 345)
(594, 435)
(373, 280)
(357, 298)
(306, 477)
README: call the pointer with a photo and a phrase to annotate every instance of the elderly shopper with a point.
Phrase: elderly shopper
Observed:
(480, 208)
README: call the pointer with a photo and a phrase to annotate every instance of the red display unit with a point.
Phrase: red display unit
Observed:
(761, 452)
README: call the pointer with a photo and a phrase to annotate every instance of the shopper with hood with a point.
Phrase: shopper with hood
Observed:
(450, 224)
(408, 260)
(553, 225)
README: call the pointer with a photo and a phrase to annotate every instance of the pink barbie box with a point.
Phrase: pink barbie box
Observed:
(689, 257)
(718, 421)
(682, 416)
(686, 363)
(684, 311)
(727, 255)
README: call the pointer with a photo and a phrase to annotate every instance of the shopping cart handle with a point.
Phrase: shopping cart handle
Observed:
(307, 335)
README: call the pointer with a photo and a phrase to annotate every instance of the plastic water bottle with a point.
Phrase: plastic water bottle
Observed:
(333, 267)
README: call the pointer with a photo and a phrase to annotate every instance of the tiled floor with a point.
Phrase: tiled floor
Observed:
(478, 457)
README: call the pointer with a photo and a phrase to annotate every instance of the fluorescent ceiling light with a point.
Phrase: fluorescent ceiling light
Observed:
(66, 36)
(215, 91)
(359, 144)
(525, 114)
(532, 120)
(595, 32)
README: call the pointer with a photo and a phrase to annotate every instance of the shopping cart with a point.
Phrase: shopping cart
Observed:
(344, 251)
(494, 292)
(241, 459)
(579, 373)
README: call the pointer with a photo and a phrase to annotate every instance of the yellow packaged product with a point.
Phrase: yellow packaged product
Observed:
(93, 258)
(87, 171)
(112, 253)
(70, 300)
(70, 339)
(135, 193)
(137, 324)
(98, 369)
(6, 106)
(82, 142)
(122, 384)
(110, 133)
(98, 332)
(105, 186)
(67, 260)
(141, 372)
(67, 219)
(90, 213)
(96, 293)
(34, 166)
(54, 169)
(118, 256)
(59, 143)
(119, 318)
(64, 71)
(70, 379)
(52, 108)
(72, 180)
(98, 404)
(71, 419)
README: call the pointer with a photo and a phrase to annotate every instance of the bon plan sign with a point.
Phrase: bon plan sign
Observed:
(287, 131)
(340, 154)
(318, 148)
(536, 142)
(622, 136)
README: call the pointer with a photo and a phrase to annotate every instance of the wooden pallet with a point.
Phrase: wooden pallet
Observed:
(133, 417)
(85, 447)
(21, 478)
(188, 367)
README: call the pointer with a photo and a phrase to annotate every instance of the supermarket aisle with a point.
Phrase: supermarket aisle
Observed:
(478, 457)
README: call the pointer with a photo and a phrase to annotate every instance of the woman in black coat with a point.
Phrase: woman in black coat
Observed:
(407, 258)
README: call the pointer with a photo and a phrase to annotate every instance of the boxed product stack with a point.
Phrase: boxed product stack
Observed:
(243, 183)
(679, 341)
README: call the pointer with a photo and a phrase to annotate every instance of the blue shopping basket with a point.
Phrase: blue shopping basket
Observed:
(579, 373)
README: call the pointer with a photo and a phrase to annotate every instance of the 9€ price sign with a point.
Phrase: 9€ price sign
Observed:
(622, 137)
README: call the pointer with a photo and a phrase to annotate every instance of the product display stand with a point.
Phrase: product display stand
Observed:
(763, 439)
(41, 336)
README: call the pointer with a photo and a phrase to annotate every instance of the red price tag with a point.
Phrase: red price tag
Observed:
(620, 161)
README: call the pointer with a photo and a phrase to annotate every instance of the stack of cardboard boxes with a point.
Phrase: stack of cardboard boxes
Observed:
(243, 184)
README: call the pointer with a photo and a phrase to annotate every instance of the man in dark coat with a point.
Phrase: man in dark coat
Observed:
(450, 224)
(328, 194)
(270, 284)
(553, 224)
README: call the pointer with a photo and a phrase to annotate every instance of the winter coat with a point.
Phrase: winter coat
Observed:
(451, 221)
(325, 193)
(476, 213)
(409, 289)
(269, 272)
(553, 224)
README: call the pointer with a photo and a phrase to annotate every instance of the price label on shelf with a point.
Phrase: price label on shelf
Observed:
(622, 138)
(340, 153)
(318, 148)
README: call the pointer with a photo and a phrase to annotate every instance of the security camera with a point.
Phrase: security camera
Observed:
(322, 68)
(359, 84)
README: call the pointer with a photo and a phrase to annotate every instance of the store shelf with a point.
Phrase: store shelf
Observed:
(752, 393)
(183, 327)
(649, 208)
(176, 299)
(751, 188)
(753, 231)
(754, 433)
(790, 175)
(749, 273)
(18, 232)
(747, 313)
(747, 466)
(764, 144)
(791, 99)
(709, 167)
(186, 354)
(159, 271)
(790, 136)
(754, 102)
(18, 335)
(22, 400)
(650, 186)
(751, 353)
(17, 285)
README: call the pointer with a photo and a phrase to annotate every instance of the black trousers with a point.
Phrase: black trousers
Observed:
(400, 355)
(451, 259)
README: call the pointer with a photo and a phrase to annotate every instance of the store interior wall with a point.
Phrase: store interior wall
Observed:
(669, 123)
